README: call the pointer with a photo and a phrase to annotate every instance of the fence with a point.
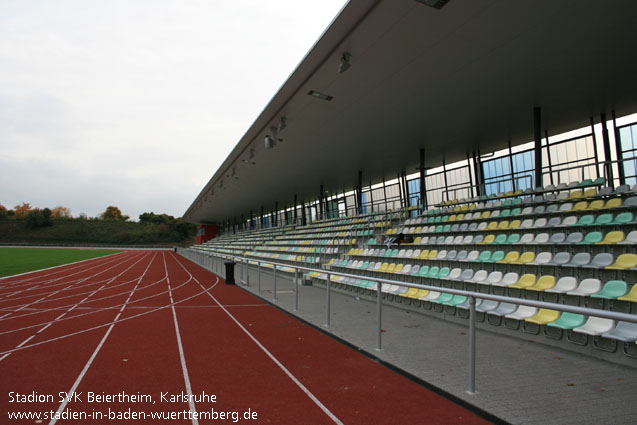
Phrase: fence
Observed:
(215, 263)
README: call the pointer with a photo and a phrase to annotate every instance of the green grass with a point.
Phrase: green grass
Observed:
(21, 260)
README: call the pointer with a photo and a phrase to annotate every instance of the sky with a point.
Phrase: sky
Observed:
(136, 103)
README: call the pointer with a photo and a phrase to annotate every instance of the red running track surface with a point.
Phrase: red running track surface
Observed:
(151, 325)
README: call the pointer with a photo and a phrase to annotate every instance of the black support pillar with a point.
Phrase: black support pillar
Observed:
(607, 154)
(537, 127)
(359, 191)
(423, 198)
(618, 150)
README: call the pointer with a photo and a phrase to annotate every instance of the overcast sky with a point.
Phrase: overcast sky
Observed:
(135, 103)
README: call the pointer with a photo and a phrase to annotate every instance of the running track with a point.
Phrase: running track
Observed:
(152, 322)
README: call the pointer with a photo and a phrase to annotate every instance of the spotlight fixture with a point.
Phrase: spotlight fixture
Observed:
(282, 123)
(320, 95)
(248, 162)
(269, 142)
(344, 62)
(436, 4)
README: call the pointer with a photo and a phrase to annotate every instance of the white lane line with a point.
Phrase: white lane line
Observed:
(4, 356)
(96, 262)
(97, 350)
(111, 322)
(63, 289)
(182, 357)
(276, 361)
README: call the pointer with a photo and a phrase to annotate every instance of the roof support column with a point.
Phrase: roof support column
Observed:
(595, 148)
(477, 170)
(537, 127)
(303, 214)
(320, 201)
(548, 155)
(276, 213)
(607, 154)
(359, 191)
(618, 151)
(385, 193)
(511, 165)
(296, 214)
(423, 197)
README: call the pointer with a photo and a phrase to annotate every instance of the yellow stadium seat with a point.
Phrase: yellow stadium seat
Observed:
(613, 238)
(576, 194)
(398, 268)
(432, 254)
(391, 268)
(424, 254)
(596, 205)
(544, 316)
(515, 224)
(613, 203)
(422, 293)
(418, 240)
(525, 281)
(384, 267)
(624, 262)
(579, 206)
(492, 226)
(590, 192)
(526, 257)
(485, 214)
(503, 225)
(630, 296)
(511, 257)
(543, 283)
(411, 293)
(488, 239)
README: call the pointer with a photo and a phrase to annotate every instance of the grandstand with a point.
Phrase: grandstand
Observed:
(475, 162)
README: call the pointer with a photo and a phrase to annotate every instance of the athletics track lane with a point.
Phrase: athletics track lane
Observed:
(141, 355)
(49, 362)
(354, 388)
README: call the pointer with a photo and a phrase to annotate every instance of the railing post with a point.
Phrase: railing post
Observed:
(258, 276)
(472, 345)
(327, 307)
(296, 289)
(247, 271)
(379, 315)
(274, 277)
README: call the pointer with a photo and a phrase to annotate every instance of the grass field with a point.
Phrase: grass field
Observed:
(21, 260)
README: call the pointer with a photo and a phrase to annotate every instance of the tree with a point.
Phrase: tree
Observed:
(3, 212)
(152, 218)
(113, 213)
(61, 212)
(22, 210)
(39, 218)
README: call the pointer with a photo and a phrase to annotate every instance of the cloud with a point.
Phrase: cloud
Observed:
(135, 102)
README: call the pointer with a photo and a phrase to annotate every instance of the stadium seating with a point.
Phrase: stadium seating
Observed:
(568, 244)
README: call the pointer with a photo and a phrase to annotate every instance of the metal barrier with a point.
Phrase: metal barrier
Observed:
(472, 295)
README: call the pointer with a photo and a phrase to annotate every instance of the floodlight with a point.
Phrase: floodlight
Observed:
(344, 62)
(436, 4)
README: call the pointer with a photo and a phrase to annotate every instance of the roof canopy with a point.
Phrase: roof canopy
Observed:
(456, 80)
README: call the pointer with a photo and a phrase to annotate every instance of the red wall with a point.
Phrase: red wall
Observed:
(205, 232)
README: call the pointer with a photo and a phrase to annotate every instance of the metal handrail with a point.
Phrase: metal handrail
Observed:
(471, 295)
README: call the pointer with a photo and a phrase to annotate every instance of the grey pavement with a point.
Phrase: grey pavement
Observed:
(519, 381)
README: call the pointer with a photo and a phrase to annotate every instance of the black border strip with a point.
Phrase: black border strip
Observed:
(443, 393)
